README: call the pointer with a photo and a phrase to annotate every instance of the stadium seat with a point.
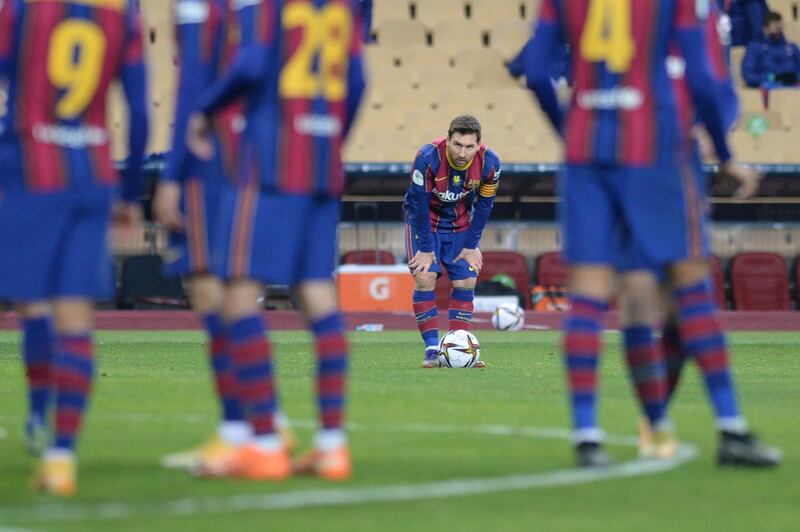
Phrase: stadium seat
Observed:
(400, 34)
(760, 281)
(476, 58)
(718, 278)
(551, 270)
(436, 79)
(784, 102)
(420, 57)
(443, 288)
(143, 285)
(773, 119)
(390, 10)
(510, 263)
(450, 37)
(487, 12)
(368, 256)
(432, 12)
(509, 36)
(751, 99)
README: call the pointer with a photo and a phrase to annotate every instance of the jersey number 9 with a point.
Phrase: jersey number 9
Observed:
(75, 63)
(325, 33)
(607, 34)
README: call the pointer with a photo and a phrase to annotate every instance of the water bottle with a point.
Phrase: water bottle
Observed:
(370, 327)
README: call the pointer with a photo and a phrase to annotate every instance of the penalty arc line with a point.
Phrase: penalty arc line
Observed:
(363, 495)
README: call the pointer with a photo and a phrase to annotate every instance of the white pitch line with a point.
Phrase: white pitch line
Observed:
(364, 495)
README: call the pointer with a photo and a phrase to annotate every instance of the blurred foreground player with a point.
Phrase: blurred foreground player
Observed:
(58, 59)
(186, 202)
(299, 69)
(453, 186)
(629, 171)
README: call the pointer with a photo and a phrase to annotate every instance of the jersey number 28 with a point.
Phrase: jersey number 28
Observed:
(326, 34)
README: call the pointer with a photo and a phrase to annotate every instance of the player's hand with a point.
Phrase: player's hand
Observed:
(421, 262)
(198, 136)
(749, 180)
(166, 205)
(126, 214)
(474, 258)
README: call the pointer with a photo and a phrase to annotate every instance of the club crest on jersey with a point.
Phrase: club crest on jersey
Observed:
(456, 179)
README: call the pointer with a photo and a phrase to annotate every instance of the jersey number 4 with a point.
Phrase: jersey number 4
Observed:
(326, 35)
(607, 34)
(75, 63)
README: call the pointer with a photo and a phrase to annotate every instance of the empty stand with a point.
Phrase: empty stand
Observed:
(509, 36)
(432, 12)
(452, 36)
(398, 33)
(368, 256)
(390, 10)
(487, 12)
(509, 263)
(760, 281)
(551, 270)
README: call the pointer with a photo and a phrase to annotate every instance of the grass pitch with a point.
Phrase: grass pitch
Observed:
(411, 427)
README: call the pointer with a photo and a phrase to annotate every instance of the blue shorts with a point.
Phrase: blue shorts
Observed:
(190, 251)
(655, 216)
(54, 245)
(273, 237)
(446, 246)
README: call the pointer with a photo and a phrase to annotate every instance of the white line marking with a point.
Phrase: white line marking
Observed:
(364, 495)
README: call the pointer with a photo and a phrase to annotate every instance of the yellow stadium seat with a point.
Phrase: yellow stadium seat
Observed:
(457, 35)
(437, 78)
(390, 10)
(432, 12)
(473, 58)
(509, 36)
(786, 102)
(487, 12)
(420, 57)
(751, 100)
(397, 33)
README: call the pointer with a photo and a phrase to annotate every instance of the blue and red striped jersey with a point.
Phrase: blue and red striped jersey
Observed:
(299, 68)
(207, 38)
(58, 58)
(716, 37)
(623, 109)
(451, 191)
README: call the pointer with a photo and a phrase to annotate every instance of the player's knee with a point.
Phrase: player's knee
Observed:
(34, 310)
(595, 282)
(425, 282)
(689, 272)
(465, 283)
(638, 297)
(242, 299)
(206, 294)
(318, 299)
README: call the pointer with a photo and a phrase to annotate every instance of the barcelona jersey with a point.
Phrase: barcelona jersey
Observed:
(207, 39)
(299, 68)
(623, 110)
(452, 190)
(58, 59)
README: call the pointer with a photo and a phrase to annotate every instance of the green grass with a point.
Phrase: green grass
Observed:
(154, 395)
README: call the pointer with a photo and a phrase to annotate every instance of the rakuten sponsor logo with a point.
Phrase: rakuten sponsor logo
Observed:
(626, 98)
(70, 137)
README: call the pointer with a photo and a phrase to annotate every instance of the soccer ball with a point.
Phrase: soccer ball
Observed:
(459, 349)
(508, 317)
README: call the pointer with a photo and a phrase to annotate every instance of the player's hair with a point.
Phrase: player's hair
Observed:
(464, 125)
(770, 17)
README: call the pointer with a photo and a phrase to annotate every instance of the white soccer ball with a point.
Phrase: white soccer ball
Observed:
(459, 349)
(508, 317)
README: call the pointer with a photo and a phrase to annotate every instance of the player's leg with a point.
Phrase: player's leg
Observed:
(588, 224)
(703, 340)
(674, 353)
(329, 457)
(638, 303)
(463, 278)
(426, 312)
(37, 353)
(73, 375)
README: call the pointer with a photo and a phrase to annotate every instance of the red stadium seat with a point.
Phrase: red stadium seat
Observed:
(551, 270)
(368, 256)
(719, 281)
(510, 263)
(443, 289)
(760, 282)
